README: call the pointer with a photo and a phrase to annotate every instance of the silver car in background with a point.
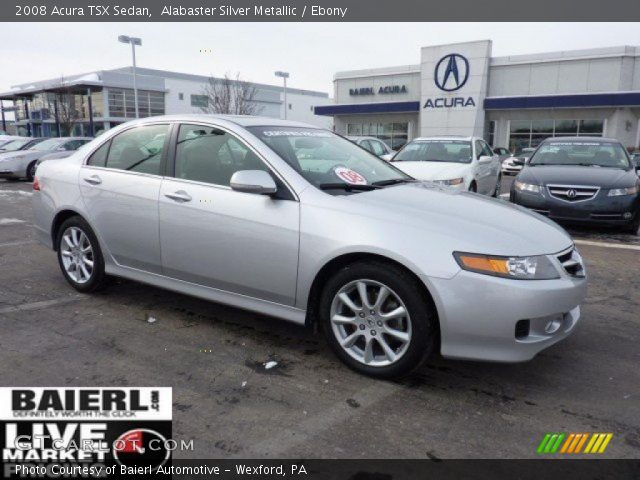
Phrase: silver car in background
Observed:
(23, 163)
(295, 222)
(373, 145)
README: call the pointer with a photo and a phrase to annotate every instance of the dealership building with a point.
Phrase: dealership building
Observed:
(514, 101)
(105, 98)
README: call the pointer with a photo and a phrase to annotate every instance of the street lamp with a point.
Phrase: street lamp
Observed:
(133, 41)
(284, 76)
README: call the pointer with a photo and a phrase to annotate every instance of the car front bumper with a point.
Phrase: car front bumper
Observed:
(480, 315)
(600, 210)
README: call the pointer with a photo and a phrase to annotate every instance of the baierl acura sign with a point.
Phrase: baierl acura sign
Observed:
(451, 74)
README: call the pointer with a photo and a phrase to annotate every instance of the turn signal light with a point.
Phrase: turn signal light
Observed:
(36, 184)
(484, 264)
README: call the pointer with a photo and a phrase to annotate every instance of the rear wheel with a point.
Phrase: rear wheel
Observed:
(377, 320)
(79, 255)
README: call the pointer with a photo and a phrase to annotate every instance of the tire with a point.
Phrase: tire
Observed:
(634, 227)
(79, 233)
(473, 187)
(31, 171)
(410, 338)
(496, 191)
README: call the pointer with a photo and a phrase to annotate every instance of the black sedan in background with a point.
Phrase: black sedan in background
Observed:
(582, 180)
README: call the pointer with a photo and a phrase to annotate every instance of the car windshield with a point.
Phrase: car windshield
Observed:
(451, 151)
(45, 145)
(327, 160)
(14, 145)
(583, 153)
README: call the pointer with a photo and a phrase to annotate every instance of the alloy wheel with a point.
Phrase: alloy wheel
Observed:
(370, 322)
(77, 255)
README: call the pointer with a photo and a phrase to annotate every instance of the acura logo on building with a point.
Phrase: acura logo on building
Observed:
(452, 72)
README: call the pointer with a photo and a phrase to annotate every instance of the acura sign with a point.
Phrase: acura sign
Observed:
(451, 74)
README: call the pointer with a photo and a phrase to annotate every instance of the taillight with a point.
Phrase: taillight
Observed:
(36, 184)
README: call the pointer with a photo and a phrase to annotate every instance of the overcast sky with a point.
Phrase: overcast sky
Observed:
(311, 52)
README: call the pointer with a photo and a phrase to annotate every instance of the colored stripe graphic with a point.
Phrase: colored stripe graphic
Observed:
(572, 443)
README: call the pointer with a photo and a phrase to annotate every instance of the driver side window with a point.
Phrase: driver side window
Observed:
(210, 155)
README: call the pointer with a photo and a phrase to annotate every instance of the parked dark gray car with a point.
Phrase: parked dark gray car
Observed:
(586, 180)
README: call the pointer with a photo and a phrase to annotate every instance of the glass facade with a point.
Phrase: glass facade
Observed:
(530, 133)
(122, 103)
(393, 134)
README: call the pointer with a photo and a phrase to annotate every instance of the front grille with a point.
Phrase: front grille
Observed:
(572, 193)
(571, 262)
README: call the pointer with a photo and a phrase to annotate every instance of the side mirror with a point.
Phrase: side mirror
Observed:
(387, 156)
(518, 161)
(253, 181)
(484, 159)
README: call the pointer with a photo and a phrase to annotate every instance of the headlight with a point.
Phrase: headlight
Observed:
(616, 192)
(527, 187)
(519, 268)
(452, 181)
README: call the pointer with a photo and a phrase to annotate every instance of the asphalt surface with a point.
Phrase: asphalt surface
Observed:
(310, 405)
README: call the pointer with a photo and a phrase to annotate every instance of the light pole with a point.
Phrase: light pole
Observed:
(284, 76)
(133, 41)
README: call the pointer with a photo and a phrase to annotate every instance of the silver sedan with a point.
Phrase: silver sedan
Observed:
(295, 222)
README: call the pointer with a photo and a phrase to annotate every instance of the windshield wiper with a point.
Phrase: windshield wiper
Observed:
(393, 181)
(348, 186)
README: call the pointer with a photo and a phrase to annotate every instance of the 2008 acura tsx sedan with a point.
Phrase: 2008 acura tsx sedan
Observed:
(296, 222)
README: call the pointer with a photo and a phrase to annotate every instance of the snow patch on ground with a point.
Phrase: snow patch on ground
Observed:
(270, 365)
(10, 221)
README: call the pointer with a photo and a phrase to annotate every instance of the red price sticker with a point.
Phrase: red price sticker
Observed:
(350, 176)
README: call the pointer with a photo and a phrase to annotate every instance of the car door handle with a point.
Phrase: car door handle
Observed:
(93, 180)
(179, 196)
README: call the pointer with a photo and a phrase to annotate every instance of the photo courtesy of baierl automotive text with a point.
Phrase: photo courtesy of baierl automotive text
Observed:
(329, 240)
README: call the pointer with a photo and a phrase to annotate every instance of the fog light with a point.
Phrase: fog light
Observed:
(627, 215)
(552, 326)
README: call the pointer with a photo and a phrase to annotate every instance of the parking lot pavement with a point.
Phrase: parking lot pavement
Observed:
(309, 404)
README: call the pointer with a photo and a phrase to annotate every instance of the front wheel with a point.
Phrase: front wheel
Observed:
(496, 191)
(31, 171)
(79, 255)
(377, 320)
(634, 228)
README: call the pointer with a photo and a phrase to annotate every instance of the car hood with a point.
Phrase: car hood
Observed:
(462, 220)
(433, 170)
(578, 175)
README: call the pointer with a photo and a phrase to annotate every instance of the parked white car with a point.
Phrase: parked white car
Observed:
(464, 163)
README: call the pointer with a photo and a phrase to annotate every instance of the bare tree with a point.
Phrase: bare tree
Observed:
(231, 96)
(64, 97)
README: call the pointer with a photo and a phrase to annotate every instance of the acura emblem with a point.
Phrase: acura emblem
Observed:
(571, 193)
(452, 72)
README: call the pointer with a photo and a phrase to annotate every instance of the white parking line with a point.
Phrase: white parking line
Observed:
(608, 245)
(43, 304)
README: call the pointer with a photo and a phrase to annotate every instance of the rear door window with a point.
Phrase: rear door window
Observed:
(138, 149)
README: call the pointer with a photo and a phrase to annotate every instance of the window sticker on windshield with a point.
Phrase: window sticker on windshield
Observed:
(571, 144)
(349, 176)
(296, 133)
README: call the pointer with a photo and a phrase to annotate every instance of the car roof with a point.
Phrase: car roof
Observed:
(447, 137)
(361, 137)
(580, 139)
(241, 120)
